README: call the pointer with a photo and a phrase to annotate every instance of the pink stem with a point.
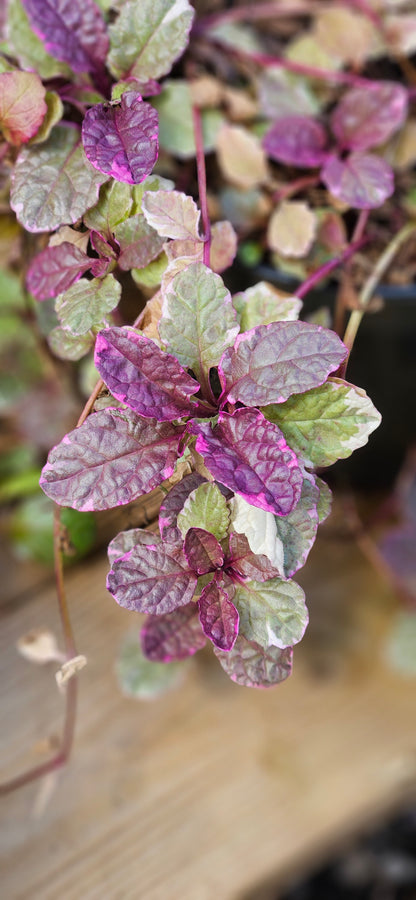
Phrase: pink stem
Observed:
(202, 182)
(328, 267)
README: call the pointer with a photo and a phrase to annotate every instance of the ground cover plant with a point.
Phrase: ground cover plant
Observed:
(130, 195)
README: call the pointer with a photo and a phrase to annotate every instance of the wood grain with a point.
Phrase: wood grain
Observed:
(212, 790)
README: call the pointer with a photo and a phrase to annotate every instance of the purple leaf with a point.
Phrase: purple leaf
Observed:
(202, 550)
(174, 635)
(139, 243)
(122, 140)
(250, 665)
(55, 269)
(218, 617)
(251, 458)
(296, 141)
(251, 565)
(141, 375)
(173, 504)
(112, 458)
(126, 540)
(73, 31)
(151, 579)
(365, 118)
(363, 180)
(277, 360)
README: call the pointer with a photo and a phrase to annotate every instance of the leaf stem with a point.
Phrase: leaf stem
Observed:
(202, 181)
(369, 287)
(328, 267)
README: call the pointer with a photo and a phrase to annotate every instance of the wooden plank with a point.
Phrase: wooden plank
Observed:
(212, 789)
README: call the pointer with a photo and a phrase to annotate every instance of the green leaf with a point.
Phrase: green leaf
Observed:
(262, 304)
(297, 531)
(27, 47)
(198, 319)
(68, 346)
(272, 613)
(32, 530)
(324, 504)
(114, 205)
(176, 133)
(326, 423)
(54, 113)
(142, 679)
(148, 37)
(86, 303)
(205, 508)
(54, 184)
(152, 274)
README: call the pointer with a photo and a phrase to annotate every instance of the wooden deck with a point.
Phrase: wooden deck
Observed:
(213, 791)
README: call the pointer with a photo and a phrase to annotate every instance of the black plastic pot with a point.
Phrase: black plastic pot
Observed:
(383, 362)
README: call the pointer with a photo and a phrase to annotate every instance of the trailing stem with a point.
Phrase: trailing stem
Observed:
(328, 267)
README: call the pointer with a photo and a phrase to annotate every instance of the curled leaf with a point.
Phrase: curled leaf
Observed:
(218, 616)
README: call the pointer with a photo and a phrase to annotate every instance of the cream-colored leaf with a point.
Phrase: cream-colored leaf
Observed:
(70, 668)
(206, 91)
(240, 106)
(70, 235)
(345, 34)
(39, 646)
(150, 317)
(241, 157)
(292, 229)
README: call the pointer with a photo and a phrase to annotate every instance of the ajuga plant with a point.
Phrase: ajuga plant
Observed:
(228, 403)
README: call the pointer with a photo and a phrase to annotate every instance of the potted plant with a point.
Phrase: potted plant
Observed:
(223, 399)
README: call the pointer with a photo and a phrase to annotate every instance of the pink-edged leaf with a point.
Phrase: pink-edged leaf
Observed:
(114, 457)
(250, 665)
(151, 579)
(122, 140)
(278, 360)
(141, 375)
(139, 243)
(73, 31)
(257, 567)
(22, 105)
(174, 635)
(218, 616)
(126, 540)
(363, 180)
(108, 256)
(55, 269)
(367, 117)
(202, 550)
(172, 505)
(251, 458)
(297, 141)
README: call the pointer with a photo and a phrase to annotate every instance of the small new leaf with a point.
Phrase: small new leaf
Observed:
(202, 550)
(205, 507)
(199, 320)
(218, 617)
